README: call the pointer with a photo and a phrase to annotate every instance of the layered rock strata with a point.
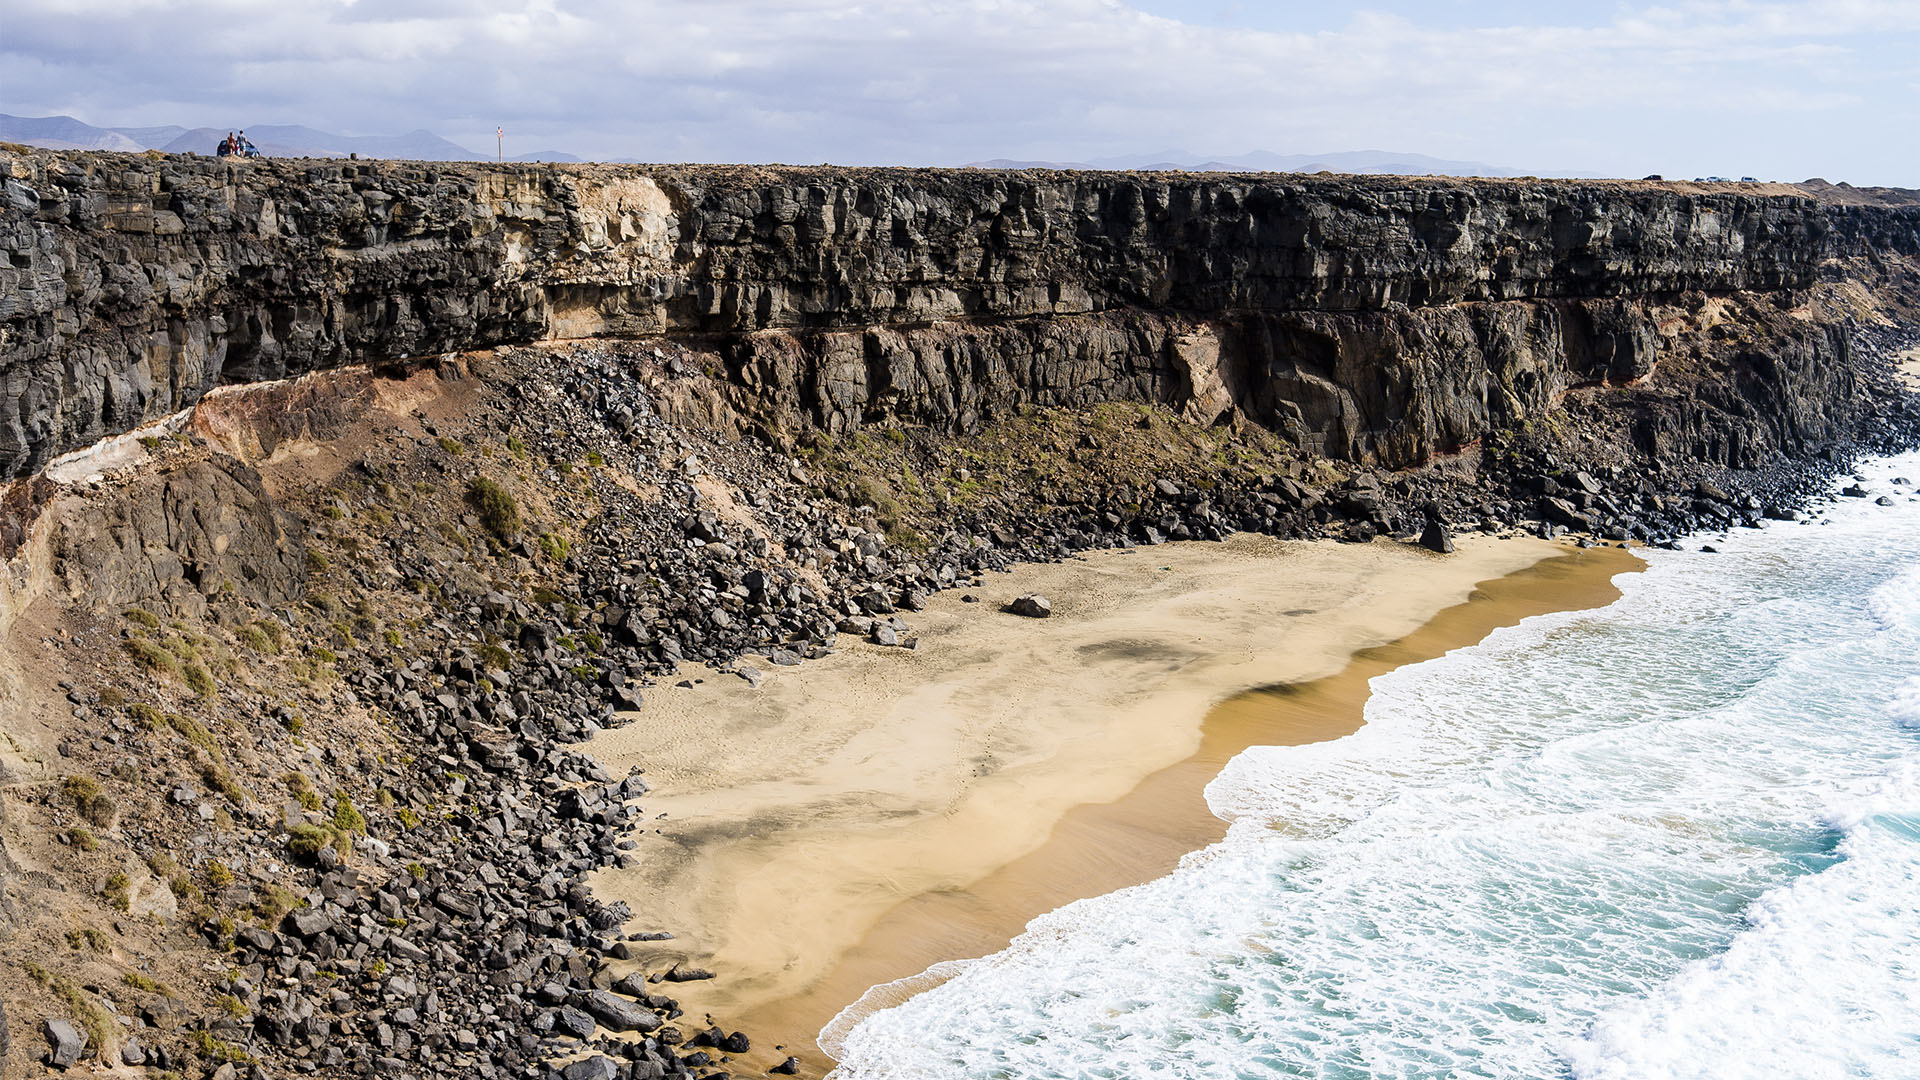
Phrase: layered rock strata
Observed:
(1374, 319)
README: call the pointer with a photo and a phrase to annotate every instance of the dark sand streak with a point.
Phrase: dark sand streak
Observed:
(1099, 848)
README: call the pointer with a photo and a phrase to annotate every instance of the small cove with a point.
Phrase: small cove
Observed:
(1419, 606)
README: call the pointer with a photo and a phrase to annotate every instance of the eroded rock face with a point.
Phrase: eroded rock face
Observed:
(1380, 318)
(175, 538)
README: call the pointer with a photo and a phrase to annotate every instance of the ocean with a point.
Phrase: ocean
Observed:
(1678, 836)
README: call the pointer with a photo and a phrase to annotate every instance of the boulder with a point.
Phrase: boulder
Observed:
(568, 1020)
(593, 1068)
(616, 1013)
(1032, 606)
(307, 924)
(66, 1042)
(1562, 512)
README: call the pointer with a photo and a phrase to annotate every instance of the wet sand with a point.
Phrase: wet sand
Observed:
(862, 817)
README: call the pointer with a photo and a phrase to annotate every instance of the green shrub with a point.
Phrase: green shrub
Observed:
(496, 507)
(90, 799)
(98, 1025)
(119, 891)
(143, 617)
(194, 732)
(302, 790)
(153, 657)
(220, 778)
(222, 1053)
(346, 816)
(307, 840)
(871, 492)
(275, 633)
(200, 681)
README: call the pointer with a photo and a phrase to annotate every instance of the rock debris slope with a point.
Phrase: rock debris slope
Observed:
(295, 662)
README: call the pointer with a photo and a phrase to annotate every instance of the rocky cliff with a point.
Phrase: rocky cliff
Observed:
(299, 672)
(1372, 319)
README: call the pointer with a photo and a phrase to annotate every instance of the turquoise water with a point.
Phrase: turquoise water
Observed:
(1675, 837)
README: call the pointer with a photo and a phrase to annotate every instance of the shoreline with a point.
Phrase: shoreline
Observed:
(854, 820)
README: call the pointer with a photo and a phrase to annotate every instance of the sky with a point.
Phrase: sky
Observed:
(1777, 90)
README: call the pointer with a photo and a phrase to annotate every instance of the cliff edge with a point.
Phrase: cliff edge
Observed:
(1368, 318)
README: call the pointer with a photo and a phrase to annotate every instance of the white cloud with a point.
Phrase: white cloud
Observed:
(1691, 86)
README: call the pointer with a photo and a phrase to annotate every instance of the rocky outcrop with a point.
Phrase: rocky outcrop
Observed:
(1375, 318)
(181, 535)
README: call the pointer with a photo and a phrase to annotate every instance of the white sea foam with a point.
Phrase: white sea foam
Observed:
(1821, 986)
(1675, 837)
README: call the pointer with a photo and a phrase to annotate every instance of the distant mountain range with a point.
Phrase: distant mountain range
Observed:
(1379, 162)
(274, 140)
(293, 140)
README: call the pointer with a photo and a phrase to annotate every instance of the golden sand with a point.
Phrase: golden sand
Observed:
(861, 817)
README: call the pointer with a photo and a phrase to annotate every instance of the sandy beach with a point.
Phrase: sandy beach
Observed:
(855, 819)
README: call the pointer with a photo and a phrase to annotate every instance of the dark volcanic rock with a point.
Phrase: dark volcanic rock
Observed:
(1032, 606)
(1435, 537)
(138, 284)
(66, 1042)
(616, 1013)
(597, 1067)
(183, 535)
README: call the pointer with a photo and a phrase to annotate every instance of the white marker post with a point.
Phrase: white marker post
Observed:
(499, 145)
